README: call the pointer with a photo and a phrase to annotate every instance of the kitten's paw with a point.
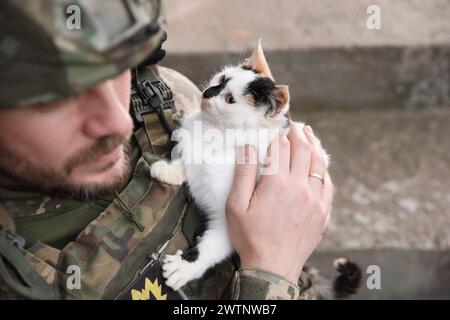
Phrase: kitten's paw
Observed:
(165, 172)
(178, 271)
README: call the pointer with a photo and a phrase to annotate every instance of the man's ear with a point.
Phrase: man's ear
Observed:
(258, 62)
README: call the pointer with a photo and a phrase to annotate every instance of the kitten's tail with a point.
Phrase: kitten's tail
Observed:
(349, 279)
(345, 284)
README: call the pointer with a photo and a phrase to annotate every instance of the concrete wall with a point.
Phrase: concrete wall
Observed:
(322, 49)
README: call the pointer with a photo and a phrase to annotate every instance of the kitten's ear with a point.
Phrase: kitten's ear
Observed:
(281, 95)
(258, 62)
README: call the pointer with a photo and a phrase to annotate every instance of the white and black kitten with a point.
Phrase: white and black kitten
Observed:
(245, 101)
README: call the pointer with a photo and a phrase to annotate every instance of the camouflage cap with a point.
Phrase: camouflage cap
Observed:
(51, 49)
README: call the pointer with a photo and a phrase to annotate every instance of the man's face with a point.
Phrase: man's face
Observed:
(74, 147)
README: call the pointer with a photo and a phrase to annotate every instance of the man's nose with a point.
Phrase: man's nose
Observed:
(105, 112)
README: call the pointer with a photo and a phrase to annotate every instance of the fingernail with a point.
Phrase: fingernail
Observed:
(309, 129)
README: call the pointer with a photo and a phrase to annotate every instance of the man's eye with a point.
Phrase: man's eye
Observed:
(230, 99)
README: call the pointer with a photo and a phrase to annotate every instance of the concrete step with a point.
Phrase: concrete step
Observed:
(359, 77)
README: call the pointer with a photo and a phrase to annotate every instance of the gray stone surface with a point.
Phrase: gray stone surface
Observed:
(391, 169)
(199, 26)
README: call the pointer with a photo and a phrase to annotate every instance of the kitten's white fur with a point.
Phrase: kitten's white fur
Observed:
(210, 182)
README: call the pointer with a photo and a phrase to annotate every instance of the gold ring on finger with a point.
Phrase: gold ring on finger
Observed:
(317, 176)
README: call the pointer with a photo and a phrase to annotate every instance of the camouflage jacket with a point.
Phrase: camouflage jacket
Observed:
(112, 251)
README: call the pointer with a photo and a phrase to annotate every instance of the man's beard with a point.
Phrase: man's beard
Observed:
(54, 183)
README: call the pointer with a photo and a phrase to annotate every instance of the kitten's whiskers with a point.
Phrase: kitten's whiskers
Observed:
(217, 116)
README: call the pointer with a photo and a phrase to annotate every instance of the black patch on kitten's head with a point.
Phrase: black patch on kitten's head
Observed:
(260, 89)
(263, 90)
(216, 90)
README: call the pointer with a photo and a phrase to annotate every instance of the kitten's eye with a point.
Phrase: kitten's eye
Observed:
(230, 99)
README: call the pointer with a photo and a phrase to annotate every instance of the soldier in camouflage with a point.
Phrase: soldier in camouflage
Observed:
(99, 210)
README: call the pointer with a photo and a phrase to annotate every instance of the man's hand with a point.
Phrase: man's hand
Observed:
(277, 226)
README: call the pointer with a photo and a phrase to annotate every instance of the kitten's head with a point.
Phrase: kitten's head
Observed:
(246, 96)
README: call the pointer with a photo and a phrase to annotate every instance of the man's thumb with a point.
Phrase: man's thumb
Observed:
(244, 180)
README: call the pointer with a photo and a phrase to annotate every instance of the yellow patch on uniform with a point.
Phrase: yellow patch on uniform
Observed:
(152, 288)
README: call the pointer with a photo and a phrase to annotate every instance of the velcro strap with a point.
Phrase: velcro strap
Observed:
(152, 106)
(160, 139)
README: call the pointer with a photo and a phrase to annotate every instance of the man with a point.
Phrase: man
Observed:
(80, 217)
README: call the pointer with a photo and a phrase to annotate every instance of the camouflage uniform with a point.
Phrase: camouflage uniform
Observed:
(116, 238)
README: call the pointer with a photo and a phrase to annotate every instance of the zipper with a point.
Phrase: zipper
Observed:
(156, 255)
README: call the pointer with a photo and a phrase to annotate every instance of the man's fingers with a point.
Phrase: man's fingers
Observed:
(327, 221)
(244, 180)
(278, 157)
(327, 192)
(300, 151)
(317, 166)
